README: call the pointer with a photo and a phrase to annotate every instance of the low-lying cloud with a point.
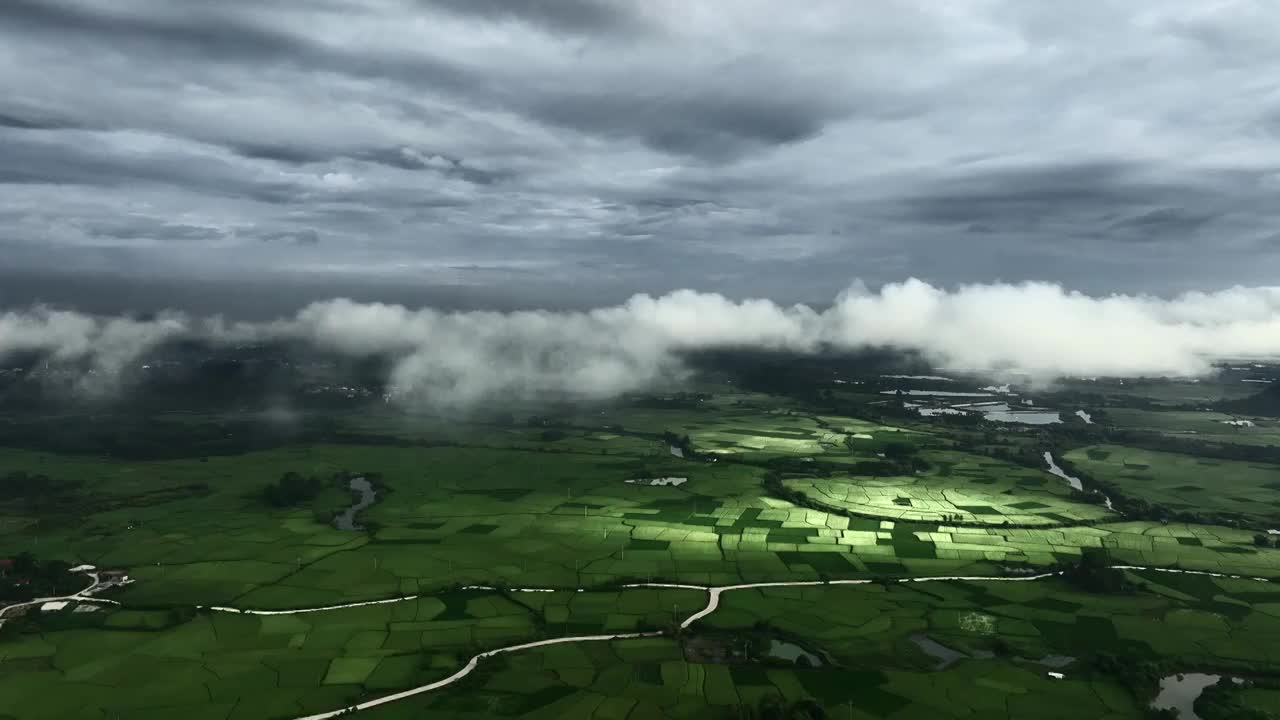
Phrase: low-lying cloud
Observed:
(459, 359)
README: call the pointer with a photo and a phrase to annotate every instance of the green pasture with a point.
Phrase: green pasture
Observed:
(1198, 426)
(1185, 482)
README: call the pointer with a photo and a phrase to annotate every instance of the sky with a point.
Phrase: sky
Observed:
(248, 157)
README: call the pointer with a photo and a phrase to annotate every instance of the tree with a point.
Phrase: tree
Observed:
(24, 564)
(898, 451)
(1093, 573)
(806, 710)
(292, 489)
(770, 708)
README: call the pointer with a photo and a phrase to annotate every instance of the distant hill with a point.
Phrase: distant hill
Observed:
(1265, 403)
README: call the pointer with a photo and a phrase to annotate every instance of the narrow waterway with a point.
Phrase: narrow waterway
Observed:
(1072, 480)
(367, 496)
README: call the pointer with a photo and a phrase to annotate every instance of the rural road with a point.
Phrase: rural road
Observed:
(82, 596)
(713, 602)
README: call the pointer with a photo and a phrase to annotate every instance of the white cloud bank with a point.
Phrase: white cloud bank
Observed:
(454, 359)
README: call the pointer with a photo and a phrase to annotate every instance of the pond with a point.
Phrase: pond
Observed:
(938, 393)
(662, 481)
(1179, 692)
(367, 496)
(945, 656)
(1026, 417)
(792, 653)
(1005, 413)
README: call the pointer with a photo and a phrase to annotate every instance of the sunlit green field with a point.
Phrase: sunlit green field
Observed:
(958, 488)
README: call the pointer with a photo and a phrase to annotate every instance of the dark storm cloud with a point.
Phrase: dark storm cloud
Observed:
(1106, 200)
(91, 163)
(402, 158)
(593, 148)
(560, 15)
(696, 124)
(33, 121)
(305, 236)
(196, 33)
(142, 228)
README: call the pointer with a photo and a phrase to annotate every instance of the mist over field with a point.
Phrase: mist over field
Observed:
(457, 359)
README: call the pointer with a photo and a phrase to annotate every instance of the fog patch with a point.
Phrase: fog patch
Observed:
(461, 359)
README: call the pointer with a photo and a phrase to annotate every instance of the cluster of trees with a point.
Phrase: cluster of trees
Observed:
(1142, 677)
(26, 578)
(1093, 573)
(1266, 403)
(772, 707)
(1188, 446)
(682, 442)
(139, 437)
(292, 489)
(34, 493)
(680, 400)
(1223, 701)
(905, 457)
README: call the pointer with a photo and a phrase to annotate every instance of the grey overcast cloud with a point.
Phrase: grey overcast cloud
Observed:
(247, 157)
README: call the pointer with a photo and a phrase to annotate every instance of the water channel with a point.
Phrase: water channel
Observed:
(367, 496)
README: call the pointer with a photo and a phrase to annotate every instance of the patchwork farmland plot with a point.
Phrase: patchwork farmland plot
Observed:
(569, 507)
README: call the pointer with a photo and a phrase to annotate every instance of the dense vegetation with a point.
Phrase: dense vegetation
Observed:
(812, 480)
(292, 489)
(24, 577)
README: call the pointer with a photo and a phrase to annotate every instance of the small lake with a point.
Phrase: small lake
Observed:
(1179, 692)
(945, 656)
(791, 652)
(1057, 662)
(1026, 417)
(662, 481)
(362, 488)
(998, 411)
(938, 393)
